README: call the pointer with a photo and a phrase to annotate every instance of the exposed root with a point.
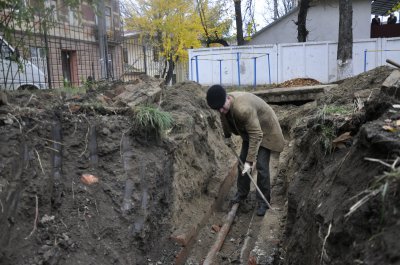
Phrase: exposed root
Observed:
(64, 224)
(392, 166)
(72, 188)
(95, 204)
(52, 149)
(341, 163)
(120, 143)
(75, 127)
(33, 128)
(323, 251)
(86, 137)
(358, 104)
(84, 216)
(50, 140)
(36, 218)
(381, 189)
(358, 204)
(29, 101)
(40, 162)
(15, 118)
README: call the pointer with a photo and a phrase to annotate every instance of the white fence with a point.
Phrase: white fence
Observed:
(266, 64)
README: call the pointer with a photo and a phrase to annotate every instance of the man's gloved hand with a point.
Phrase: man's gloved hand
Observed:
(228, 141)
(246, 168)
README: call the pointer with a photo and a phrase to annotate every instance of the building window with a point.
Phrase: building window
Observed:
(108, 17)
(72, 17)
(125, 55)
(5, 51)
(37, 52)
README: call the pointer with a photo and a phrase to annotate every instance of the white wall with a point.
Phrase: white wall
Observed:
(317, 60)
(322, 23)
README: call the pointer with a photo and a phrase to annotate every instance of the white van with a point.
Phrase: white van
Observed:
(18, 73)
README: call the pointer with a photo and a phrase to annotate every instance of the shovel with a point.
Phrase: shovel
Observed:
(252, 180)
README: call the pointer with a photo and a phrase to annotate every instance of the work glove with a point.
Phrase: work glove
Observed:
(246, 168)
(228, 141)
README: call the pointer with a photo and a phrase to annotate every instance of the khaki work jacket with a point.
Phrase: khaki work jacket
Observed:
(255, 121)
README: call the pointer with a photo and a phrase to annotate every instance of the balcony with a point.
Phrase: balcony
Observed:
(385, 31)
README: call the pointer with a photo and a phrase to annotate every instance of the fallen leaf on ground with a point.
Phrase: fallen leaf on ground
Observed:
(216, 228)
(388, 128)
(74, 108)
(343, 137)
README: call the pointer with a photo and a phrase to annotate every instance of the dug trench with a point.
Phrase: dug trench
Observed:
(82, 183)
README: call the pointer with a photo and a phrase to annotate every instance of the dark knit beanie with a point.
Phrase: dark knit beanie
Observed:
(216, 97)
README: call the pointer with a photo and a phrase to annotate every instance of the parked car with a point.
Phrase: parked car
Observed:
(18, 73)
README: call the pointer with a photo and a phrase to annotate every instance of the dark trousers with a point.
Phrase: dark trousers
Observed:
(262, 166)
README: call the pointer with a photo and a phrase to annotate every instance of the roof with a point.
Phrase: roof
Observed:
(378, 7)
(275, 22)
(383, 7)
(132, 33)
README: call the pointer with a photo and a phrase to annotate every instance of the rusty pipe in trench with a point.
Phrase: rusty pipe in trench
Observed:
(209, 260)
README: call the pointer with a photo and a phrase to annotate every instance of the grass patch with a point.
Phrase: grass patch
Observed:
(150, 119)
(71, 90)
(328, 134)
(335, 110)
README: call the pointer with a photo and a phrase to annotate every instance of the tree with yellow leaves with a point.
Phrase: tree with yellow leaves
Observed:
(172, 26)
(215, 24)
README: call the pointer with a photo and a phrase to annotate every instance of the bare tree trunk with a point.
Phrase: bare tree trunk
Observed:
(345, 44)
(276, 15)
(171, 66)
(302, 31)
(239, 22)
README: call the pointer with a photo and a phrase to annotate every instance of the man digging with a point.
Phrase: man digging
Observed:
(249, 116)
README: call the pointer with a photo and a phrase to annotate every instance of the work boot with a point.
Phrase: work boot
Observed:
(261, 210)
(238, 198)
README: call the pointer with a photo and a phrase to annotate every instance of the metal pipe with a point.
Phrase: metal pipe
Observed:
(269, 68)
(221, 236)
(220, 72)
(393, 63)
(238, 66)
(255, 72)
(365, 60)
(197, 69)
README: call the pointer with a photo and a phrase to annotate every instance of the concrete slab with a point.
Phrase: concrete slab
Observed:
(267, 242)
(293, 94)
(391, 86)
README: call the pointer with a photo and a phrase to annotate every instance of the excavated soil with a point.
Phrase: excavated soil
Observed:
(331, 171)
(161, 199)
(148, 188)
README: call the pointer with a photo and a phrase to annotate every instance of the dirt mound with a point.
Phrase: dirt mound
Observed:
(324, 225)
(299, 82)
(147, 186)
